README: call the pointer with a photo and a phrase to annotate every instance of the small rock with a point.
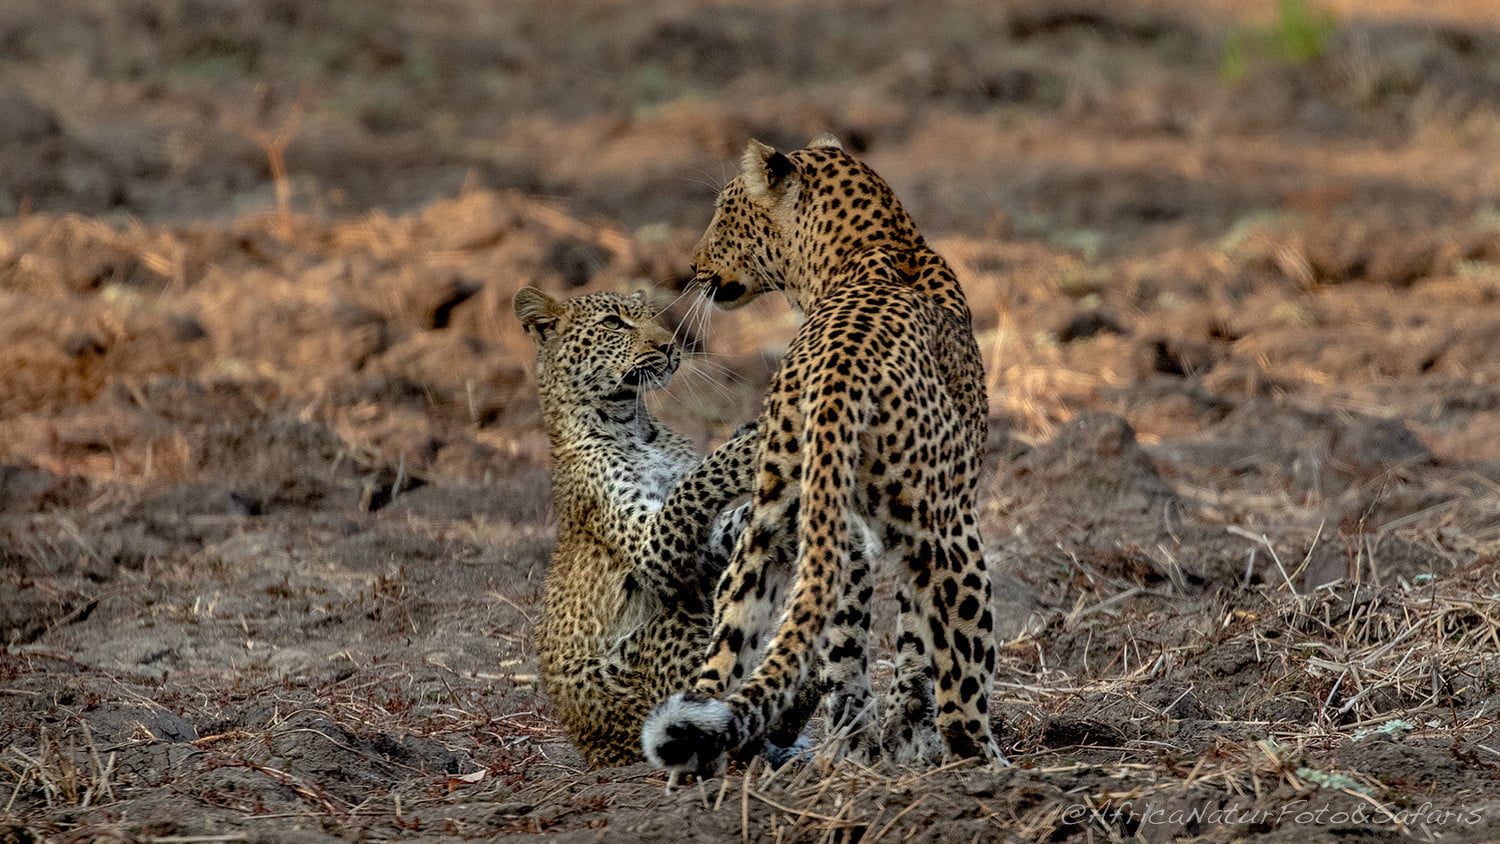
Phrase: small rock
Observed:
(82, 344)
(1370, 444)
(23, 121)
(1088, 324)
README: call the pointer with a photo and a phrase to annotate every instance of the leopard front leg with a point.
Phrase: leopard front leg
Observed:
(672, 563)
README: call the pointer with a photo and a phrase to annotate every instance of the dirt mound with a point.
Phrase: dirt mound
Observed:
(1093, 466)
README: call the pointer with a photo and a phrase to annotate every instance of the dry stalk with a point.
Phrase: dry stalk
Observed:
(101, 786)
(274, 145)
(22, 776)
(797, 813)
(1264, 540)
(745, 801)
(1402, 650)
(898, 816)
(64, 781)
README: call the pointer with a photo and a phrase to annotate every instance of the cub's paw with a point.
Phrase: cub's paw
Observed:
(914, 745)
(687, 734)
(798, 751)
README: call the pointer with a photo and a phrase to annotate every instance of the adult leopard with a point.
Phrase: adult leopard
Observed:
(873, 428)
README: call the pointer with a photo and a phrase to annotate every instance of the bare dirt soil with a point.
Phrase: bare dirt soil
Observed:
(274, 493)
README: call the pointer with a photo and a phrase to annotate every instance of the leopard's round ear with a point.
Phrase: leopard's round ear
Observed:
(826, 139)
(767, 172)
(537, 312)
(653, 299)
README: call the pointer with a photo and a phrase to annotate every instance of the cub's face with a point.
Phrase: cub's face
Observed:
(599, 346)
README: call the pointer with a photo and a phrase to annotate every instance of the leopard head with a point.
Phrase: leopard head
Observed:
(597, 347)
(746, 250)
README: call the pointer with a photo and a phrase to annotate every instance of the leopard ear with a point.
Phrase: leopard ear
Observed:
(537, 312)
(826, 139)
(767, 172)
(649, 299)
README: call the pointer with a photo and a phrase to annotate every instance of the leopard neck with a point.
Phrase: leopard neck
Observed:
(810, 271)
(620, 421)
(891, 259)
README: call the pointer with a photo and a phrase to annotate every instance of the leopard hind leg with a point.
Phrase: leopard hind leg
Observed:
(849, 706)
(909, 712)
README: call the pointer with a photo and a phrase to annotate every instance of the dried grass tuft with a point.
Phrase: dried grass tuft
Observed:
(68, 775)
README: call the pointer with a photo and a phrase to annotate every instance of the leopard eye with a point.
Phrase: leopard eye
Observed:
(612, 322)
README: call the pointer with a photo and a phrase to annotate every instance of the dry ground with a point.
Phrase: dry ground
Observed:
(273, 490)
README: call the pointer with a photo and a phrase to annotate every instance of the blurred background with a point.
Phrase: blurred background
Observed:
(1161, 208)
(160, 109)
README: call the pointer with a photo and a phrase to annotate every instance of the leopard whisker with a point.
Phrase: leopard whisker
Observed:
(706, 365)
(707, 379)
(692, 288)
(684, 293)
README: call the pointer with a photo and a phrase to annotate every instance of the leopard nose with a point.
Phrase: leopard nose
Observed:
(727, 292)
(664, 348)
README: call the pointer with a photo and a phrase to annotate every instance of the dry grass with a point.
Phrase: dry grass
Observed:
(1428, 645)
(1031, 384)
(1425, 646)
(237, 307)
(71, 775)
